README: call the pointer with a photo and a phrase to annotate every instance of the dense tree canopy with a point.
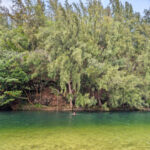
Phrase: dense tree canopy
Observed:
(92, 55)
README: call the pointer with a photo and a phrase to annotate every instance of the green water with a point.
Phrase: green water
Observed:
(85, 131)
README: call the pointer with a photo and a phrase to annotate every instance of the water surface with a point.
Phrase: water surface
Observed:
(85, 131)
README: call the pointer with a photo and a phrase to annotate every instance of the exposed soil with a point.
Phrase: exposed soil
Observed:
(48, 101)
(47, 98)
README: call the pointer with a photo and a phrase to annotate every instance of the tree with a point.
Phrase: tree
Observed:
(94, 55)
(12, 78)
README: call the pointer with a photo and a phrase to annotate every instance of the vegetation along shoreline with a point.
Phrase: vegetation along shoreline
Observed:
(65, 56)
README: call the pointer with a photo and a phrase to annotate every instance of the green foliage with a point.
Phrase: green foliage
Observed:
(82, 52)
(105, 107)
(84, 100)
(13, 39)
(38, 105)
(12, 78)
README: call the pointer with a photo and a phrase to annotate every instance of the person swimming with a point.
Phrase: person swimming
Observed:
(74, 113)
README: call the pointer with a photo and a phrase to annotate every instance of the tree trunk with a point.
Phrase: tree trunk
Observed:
(99, 98)
(70, 92)
(28, 97)
(99, 102)
(57, 102)
(41, 88)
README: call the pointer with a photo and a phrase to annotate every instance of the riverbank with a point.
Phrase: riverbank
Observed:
(39, 107)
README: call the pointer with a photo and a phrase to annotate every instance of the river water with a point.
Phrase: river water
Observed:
(85, 131)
